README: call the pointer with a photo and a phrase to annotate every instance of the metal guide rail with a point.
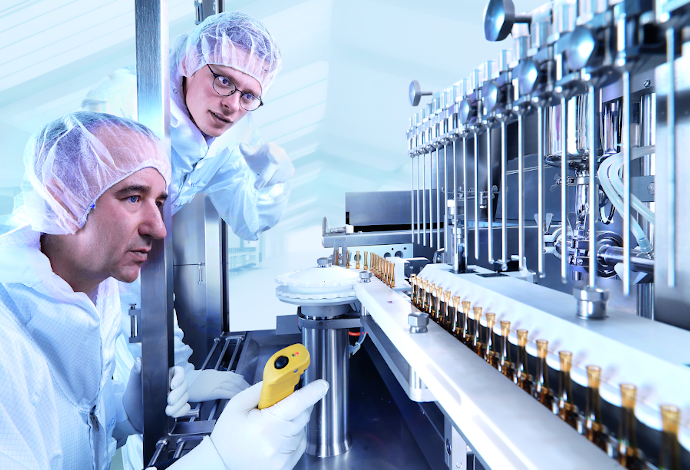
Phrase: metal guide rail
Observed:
(506, 426)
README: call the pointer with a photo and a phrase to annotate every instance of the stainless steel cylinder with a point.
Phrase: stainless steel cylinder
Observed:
(328, 432)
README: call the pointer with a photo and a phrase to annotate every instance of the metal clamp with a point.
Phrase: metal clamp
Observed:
(134, 313)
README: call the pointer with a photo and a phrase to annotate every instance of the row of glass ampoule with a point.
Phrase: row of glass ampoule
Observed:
(380, 266)
(464, 322)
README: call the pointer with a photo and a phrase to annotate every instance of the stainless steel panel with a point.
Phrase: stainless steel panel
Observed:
(156, 323)
(378, 208)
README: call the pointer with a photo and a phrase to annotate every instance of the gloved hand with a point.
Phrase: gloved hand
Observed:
(133, 398)
(268, 161)
(212, 384)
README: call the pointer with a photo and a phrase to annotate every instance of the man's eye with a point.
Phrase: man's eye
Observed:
(225, 81)
(133, 199)
(248, 98)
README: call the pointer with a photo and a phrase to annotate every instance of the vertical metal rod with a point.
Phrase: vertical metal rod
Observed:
(564, 190)
(504, 194)
(671, 155)
(489, 199)
(593, 186)
(455, 210)
(476, 196)
(540, 191)
(445, 198)
(431, 199)
(464, 197)
(521, 194)
(627, 111)
(438, 199)
(412, 208)
(419, 206)
(424, 199)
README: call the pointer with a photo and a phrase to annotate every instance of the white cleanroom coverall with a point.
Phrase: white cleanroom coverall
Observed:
(59, 404)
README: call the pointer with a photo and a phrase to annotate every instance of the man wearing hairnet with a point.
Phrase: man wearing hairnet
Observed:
(86, 219)
(219, 74)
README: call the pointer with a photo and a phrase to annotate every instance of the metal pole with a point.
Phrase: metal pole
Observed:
(431, 199)
(464, 197)
(564, 189)
(445, 198)
(504, 195)
(521, 195)
(455, 210)
(156, 323)
(424, 200)
(438, 200)
(540, 191)
(489, 204)
(419, 207)
(476, 197)
(593, 186)
(412, 208)
(626, 181)
(671, 155)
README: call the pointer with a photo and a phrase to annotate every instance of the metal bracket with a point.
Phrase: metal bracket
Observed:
(346, 321)
(134, 313)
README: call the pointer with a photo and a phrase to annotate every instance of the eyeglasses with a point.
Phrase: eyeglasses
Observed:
(224, 87)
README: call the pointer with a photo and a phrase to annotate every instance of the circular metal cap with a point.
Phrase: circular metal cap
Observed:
(322, 262)
(499, 17)
(416, 93)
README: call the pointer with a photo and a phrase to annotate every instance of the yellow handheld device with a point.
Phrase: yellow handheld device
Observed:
(281, 374)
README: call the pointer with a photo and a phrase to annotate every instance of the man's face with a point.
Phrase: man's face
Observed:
(212, 113)
(120, 230)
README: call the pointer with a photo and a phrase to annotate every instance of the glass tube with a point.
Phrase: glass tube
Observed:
(629, 455)
(477, 345)
(594, 429)
(432, 301)
(356, 260)
(522, 377)
(422, 296)
(347, 259)
(366, 266)
(446, 312)
(541, 391)
(490, 354)
(466, 336)
(392, 274)
(458, 330)
(565, 408)
(504, 364)
(669, 457)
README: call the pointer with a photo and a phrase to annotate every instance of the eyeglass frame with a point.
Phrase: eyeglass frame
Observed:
(242, 93)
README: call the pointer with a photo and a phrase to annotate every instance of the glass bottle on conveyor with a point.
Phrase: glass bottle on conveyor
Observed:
(490, 353)
(593, 428)
(629, 455)
(505, 366)
(541, 390)
(522, 377)
(564, 406)
(669, 457)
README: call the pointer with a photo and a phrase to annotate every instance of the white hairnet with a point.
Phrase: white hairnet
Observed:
(71, 161)
(233, 39)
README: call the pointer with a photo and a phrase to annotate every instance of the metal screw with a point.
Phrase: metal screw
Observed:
(647, 83)
(650, 188)
(448, 448)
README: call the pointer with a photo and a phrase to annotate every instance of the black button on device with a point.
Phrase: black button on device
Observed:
(281, 361)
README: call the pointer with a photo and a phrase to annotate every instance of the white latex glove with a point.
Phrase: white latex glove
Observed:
(133, 398)
(248, 438)
(205, 385)
(268, 161)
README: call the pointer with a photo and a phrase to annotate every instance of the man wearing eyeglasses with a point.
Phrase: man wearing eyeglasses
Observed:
(219, 75)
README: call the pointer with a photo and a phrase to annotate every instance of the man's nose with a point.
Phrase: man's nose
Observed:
(232, 102)
(153, 224)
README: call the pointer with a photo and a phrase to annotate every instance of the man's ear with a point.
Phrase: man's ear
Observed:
(57, 190)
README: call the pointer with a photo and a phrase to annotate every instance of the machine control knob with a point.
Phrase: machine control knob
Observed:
(418, 322)
(281, 362)
(416, 93)
(322, 262)
(365, 276)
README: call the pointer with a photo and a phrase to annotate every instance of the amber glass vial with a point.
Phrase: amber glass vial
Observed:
(669, 457)
(413, 286)
(522, 377)
(431, 301)
(629, 454)
(564, 407)
(447, 312)
(439, 305)
(490, 354)
(466, 335)
(594, 429)
(504, 364)
(423, 296)
(541, 391)
(392, 274)
(477, 345)
(458, 331)
(357, 257)
(366, 266)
